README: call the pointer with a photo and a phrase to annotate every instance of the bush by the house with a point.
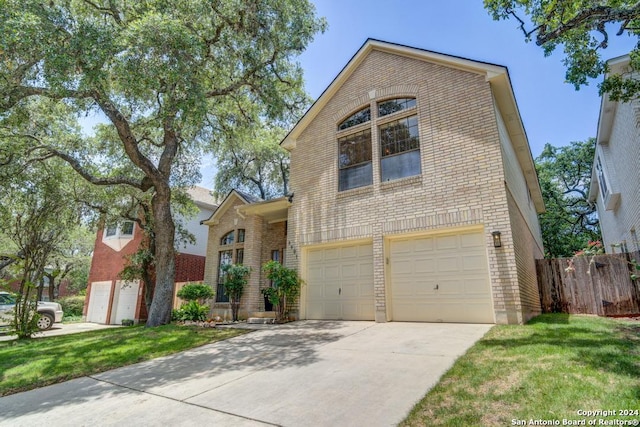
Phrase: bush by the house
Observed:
(72, 306)
(196, 292)
(191, 311)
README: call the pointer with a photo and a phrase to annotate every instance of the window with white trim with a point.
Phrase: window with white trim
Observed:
(123, 230)
(399, 141)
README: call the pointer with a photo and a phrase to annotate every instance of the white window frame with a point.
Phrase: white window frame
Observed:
(117, 231)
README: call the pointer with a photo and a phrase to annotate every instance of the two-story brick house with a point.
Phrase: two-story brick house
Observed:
(415, 196)
(109, 299)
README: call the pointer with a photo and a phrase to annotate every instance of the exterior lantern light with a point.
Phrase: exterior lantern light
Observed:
(497, 241)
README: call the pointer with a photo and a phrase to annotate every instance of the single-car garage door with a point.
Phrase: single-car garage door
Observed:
(339, 283)
(99, 302)
(441, 278)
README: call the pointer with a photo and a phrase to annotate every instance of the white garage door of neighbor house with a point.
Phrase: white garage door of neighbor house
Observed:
(339, 283)
(99, 302)
(441, 278)
(124, 301)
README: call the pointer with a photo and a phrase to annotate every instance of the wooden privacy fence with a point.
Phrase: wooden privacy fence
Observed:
(599, 284)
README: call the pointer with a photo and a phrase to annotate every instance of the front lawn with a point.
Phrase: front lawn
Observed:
(28, 364)
(547, 370)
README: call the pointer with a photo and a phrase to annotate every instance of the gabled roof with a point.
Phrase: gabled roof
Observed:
(227, 203)
(496, 75)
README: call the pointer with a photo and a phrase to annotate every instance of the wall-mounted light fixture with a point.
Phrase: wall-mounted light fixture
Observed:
(497, 241)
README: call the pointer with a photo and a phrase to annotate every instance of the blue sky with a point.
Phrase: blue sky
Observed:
(552, 111)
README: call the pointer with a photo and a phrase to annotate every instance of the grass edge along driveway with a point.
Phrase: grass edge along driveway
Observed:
(555, 368)
(33, 363)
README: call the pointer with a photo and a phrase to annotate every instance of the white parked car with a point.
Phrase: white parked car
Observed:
(50, 312)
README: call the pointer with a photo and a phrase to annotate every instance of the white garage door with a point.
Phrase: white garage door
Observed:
(125, 301)
(441, 278)
(339, 283)
(99, 302)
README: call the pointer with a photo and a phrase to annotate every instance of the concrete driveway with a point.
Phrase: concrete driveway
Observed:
(307, 373)
(62, 329)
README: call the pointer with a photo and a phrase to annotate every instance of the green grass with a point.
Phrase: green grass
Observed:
(28, 364)
(548, 369)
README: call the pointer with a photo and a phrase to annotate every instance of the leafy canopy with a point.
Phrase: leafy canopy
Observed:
(570, 220)
(583, 28)
(172, 77)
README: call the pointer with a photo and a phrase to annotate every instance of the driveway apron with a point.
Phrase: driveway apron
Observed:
(307, 373)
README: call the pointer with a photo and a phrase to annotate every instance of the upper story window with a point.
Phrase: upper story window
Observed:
(393, 105)
(241, 235)
(354, 160)
(399, 148)
(227, 239)
(116, 231)
(361, 116)
(602, 179)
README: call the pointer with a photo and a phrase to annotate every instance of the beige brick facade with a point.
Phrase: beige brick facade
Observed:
(462, 184)
(261, 239)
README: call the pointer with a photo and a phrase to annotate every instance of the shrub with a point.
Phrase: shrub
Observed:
(285, 287)
(72, 306)
(196, 292)
(235, 277)
(191, 311)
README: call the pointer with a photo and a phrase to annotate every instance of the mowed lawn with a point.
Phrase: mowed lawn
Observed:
(549, 369)
(28, 364)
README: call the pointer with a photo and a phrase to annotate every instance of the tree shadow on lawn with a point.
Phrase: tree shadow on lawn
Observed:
(202, 368)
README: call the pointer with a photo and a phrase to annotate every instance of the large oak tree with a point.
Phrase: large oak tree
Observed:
(583, 28)
(169, 76)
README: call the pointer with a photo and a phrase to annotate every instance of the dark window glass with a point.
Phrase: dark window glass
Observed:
(361, 116)
(393, 105)
(399, 149)
(227, 239)
(112, 230)
(127, 228)
(241, 235)
(355, 160)
(224, 258)
(239, 256)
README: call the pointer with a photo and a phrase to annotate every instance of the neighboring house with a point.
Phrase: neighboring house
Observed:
(615, 178)
(404, 173)
(110, 300)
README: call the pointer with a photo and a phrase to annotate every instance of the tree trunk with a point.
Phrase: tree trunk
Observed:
(164, 228)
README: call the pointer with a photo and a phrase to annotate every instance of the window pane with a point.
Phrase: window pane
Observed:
(400, 165)
(224, 258)
(127, 228)
(111, 230)
(239, 256)
(356, 176)
(227, 239)
(361, 116)
(241, 235)
(355, 148)
(394, 105)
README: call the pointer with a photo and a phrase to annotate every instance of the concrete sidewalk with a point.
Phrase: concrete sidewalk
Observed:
(307, 373)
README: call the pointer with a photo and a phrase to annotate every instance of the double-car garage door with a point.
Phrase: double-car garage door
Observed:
(431, 278)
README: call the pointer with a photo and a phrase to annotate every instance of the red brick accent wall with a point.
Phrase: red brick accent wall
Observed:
(189, 268)
(107, 263)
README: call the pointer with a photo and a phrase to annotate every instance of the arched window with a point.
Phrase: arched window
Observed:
(227, 239)
(356, 118)
(391, 106)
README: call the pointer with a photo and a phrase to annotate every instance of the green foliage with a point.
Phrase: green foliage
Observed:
(50, 360)
(254, 163)
(583, 28)
(173, 79)
(72, 306)
(191, 311)
(570, 220)
(195, 292)
(285, 287)
(235, 279)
